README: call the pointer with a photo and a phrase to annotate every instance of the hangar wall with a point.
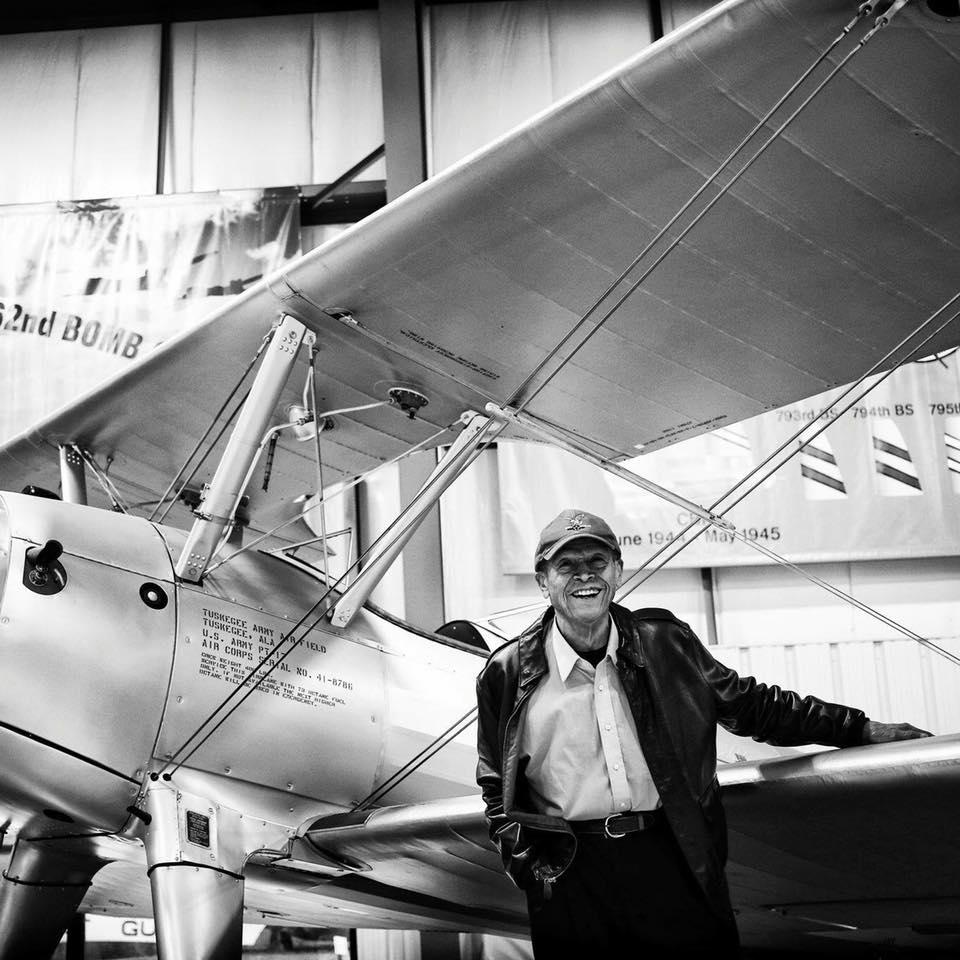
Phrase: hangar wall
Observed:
(282, 100)
(253, 103)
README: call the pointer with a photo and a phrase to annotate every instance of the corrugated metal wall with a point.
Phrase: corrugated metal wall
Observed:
(892, 680)
(782, 629)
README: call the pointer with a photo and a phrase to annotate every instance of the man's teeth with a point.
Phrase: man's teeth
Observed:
(588, 592)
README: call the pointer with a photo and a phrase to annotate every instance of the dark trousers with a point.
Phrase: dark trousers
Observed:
(630, 897)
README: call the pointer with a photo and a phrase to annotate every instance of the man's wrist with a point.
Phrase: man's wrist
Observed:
(876, 732)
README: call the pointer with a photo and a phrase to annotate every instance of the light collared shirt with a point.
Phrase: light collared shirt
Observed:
(579, 740)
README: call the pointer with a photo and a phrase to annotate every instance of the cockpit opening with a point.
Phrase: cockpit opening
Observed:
(465, 632)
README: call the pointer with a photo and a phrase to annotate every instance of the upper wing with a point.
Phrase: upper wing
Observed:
(843, 237)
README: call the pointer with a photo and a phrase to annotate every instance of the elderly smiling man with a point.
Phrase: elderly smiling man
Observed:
(597, 759)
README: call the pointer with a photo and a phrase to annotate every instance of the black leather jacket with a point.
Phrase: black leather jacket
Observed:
(677, 694)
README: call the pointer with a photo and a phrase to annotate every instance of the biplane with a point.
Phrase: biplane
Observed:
(756, 209)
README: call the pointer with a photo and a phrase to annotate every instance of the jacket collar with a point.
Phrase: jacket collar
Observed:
(532, 643)
(532, 649)
(631, 647)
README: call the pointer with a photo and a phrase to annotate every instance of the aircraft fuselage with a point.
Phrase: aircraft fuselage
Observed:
(108, 677)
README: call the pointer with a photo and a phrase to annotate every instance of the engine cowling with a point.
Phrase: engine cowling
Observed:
(87, 647)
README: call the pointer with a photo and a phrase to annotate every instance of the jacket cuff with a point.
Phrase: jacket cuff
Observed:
(856, 730)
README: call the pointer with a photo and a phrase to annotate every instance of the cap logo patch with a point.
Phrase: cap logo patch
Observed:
(579, 522)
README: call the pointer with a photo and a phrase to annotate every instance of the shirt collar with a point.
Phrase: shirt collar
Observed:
(567, 657)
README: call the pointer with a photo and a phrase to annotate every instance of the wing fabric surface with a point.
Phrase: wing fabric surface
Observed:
(842, 238)
(849, 844)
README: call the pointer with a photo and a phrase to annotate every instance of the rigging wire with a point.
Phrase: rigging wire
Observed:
(517, 400)
(677, 544)
(106, 484)
(206, 433)
(463, 723)
(252, 680)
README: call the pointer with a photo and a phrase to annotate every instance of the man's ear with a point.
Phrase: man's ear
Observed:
(619, 576)
(542, 583)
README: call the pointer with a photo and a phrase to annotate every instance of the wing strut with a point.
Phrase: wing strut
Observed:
(73, 477)
(227, 484)
(462, 453)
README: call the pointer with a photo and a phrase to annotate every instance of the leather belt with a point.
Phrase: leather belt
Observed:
(618, 824)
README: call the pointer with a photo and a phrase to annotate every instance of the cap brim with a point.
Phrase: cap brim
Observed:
(552, 551)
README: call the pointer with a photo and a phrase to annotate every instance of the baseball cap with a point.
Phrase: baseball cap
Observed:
(573, 525)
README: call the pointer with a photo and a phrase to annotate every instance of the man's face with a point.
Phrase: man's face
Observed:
(580, 581)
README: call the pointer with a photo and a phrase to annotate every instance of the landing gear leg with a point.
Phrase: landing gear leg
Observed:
(40, 892)
(77, 937)
(195, 877)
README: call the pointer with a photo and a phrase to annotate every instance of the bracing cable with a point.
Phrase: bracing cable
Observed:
(463, 723)
(106, 484)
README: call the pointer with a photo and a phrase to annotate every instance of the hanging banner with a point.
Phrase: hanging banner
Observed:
(88, 287)
(882, 481)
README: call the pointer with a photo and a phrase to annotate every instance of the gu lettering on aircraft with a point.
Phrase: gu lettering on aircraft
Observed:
(231, 646)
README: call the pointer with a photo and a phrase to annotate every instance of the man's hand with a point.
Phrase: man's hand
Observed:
(874, 732)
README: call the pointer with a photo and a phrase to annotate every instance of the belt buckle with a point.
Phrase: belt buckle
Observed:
(607, 832)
